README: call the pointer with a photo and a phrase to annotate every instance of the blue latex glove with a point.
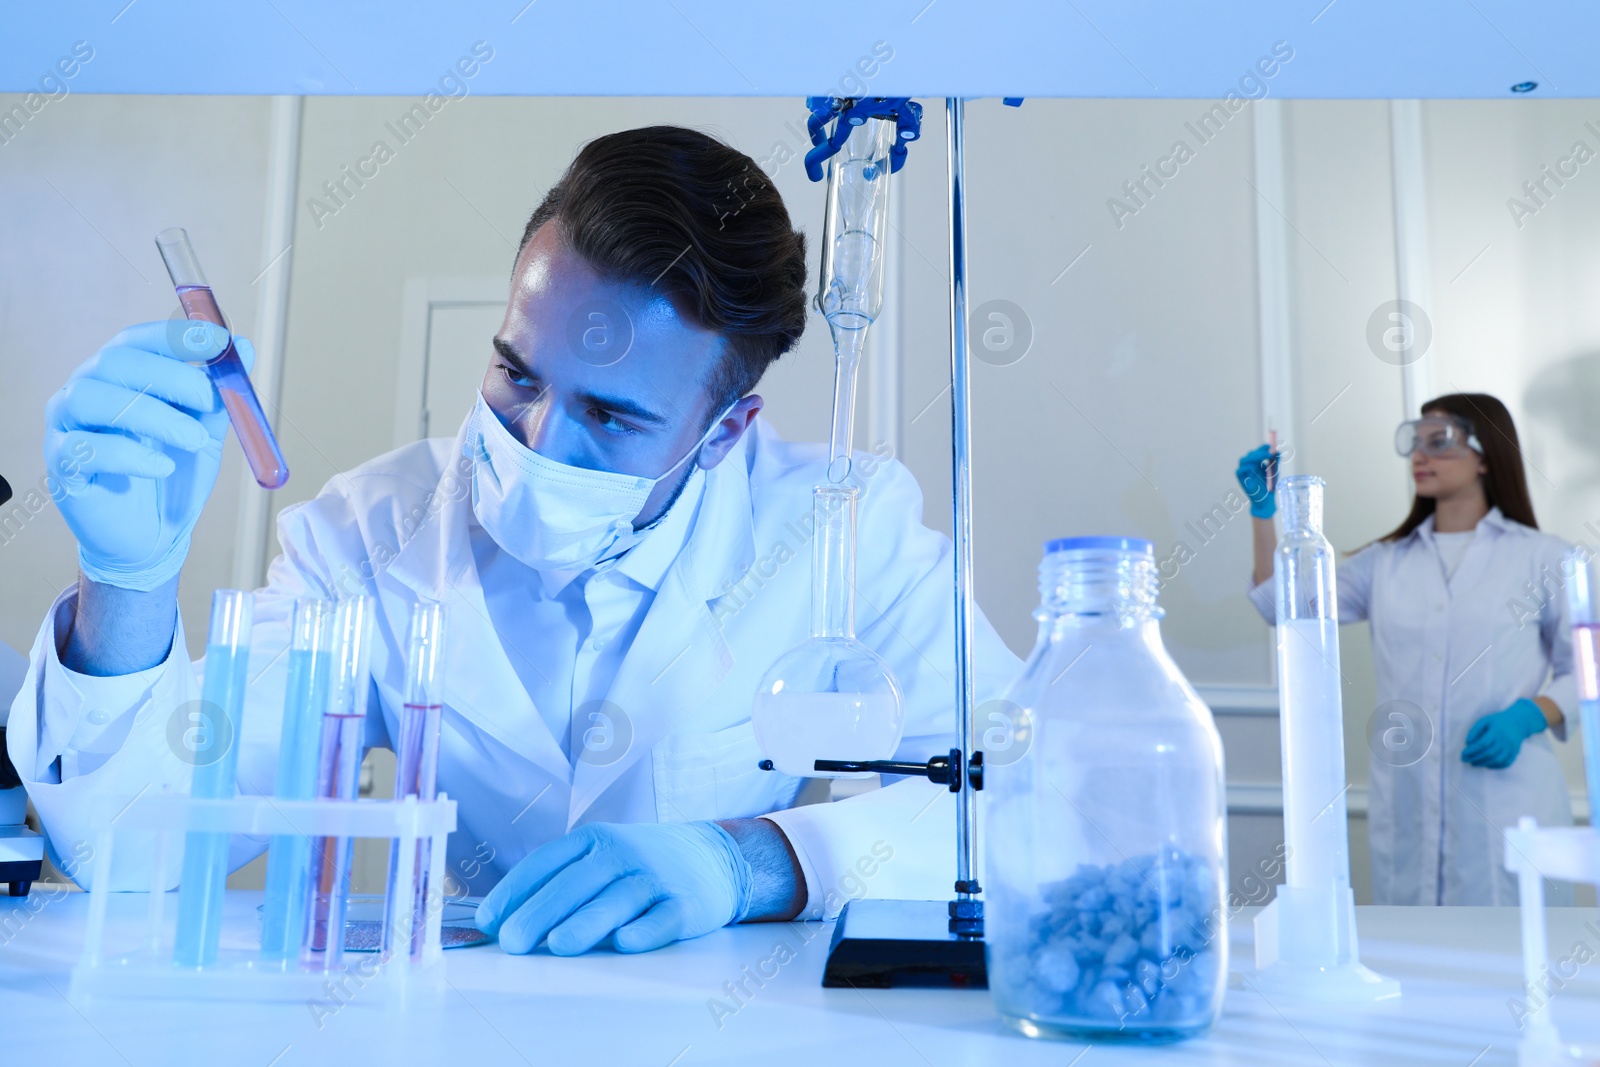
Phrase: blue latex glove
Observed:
(134, 442)
(1252, 475)
(1495, 739)
(651, 883)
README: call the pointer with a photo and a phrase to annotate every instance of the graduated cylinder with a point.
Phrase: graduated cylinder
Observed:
(1311, 714)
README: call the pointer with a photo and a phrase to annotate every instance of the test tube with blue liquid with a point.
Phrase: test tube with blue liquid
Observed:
(417, 766)
(338, 773)
(212, 742)
(226, 370)
(1583, 607)
(305, 697)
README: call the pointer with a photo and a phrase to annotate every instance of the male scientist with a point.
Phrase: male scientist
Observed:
(620, 542)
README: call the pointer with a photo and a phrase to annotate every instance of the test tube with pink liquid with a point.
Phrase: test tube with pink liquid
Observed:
(226, 370)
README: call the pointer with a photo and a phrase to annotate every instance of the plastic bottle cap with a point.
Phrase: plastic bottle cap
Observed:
(1136, 545)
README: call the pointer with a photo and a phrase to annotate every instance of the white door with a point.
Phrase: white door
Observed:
(448, 324)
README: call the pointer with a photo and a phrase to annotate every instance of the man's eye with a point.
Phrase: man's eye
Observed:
(516, 377)
(610, 423)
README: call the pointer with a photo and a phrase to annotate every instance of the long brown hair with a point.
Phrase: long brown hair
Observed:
(1505, 485)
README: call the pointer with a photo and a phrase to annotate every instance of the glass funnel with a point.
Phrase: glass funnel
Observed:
(850, 284)
(831, 697)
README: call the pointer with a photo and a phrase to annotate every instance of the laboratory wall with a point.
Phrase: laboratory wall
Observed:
(86, 184)
(1117, 288)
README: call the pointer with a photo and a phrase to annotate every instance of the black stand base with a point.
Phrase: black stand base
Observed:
(882, 943)
(21, 874)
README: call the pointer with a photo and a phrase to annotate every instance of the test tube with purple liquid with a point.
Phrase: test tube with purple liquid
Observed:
(226, 370)
(338, 774)
(417, 769)
(1582, 574)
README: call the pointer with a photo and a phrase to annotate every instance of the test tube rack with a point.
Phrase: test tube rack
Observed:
(240, 973)
(1534, 853)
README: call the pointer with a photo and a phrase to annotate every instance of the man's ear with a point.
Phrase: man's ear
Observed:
(731, 427)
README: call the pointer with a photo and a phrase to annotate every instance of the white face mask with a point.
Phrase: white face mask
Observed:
(549, 515)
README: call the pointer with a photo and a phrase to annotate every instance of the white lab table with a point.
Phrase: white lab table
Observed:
(1460, 967)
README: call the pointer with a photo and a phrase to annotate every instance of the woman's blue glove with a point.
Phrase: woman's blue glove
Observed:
(133, 443)
(1495, 739)
(651, 883)
(1254, 468)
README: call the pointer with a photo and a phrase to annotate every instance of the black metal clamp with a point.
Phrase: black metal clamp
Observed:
(943, 770)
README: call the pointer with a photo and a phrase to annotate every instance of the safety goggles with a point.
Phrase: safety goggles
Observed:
(1435, 436)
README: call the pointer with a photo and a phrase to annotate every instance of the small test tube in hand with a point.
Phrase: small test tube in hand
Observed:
(226, 370)
(305, 697)
(416, 771)
(212, 745)
(338, 775)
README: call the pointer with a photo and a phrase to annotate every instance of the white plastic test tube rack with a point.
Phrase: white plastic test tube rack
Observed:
(1571, 854)
(240, 973)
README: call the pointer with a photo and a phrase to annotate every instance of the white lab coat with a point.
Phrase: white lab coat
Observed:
(1458, 648)
(736, 597)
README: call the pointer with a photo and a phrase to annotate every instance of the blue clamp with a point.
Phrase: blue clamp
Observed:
(851, 112)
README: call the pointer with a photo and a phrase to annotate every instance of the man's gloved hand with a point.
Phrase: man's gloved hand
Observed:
(651, 883)
(133, 442)
(1254, 467)
(1495, 739)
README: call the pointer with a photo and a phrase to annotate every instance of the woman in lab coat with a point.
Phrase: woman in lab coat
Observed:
(1471, 651)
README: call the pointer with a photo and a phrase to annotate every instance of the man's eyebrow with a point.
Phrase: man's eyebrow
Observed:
(509, 354)
(615, 404)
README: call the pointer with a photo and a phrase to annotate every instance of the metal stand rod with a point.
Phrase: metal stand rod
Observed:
(961, 490)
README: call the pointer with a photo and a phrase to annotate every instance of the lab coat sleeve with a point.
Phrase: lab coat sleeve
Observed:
(139, 748)
(906, 612)
(84, 719)
(1263, 598)
(74, 808)
(1354, 575)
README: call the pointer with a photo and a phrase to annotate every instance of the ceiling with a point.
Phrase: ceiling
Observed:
(1069, 48)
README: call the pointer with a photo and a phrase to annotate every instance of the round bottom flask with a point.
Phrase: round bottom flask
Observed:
(831, 697)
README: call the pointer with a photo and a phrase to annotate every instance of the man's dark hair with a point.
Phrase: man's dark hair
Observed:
(682, 213)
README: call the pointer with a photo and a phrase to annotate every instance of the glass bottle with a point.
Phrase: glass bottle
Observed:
(830, 697)
(1107, 837)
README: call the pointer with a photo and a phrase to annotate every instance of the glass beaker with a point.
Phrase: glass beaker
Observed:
(831, 697)
(1107, 846)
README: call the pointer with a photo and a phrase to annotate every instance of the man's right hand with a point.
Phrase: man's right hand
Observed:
(134, 440)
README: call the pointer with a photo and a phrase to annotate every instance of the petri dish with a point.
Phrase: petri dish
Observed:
(363, 923)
